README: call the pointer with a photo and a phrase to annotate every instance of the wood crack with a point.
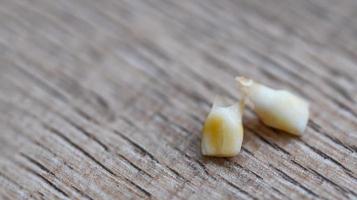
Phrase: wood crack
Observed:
(93, 159)
(134, 165)
(82, 193)
(80, 149)
(145, 192)
(248, 171)
(342, 190)
(181, 128)
(142, 150)
(205, 170)
(15, 183)
(294, 182)
(271, 144)
(325, 156)
(321, 177)
(37, 164)
(319, 129)
(48, 182)
(238, 188)
(86, 133)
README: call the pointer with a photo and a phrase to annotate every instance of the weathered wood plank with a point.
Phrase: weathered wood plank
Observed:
(106, 99)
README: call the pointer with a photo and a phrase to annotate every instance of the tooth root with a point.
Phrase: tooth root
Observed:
(279, 109)
(223, 131)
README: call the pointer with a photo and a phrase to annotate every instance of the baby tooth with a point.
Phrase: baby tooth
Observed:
(277, 108)
(223, 131)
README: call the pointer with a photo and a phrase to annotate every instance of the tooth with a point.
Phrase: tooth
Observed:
(279, 109)
(223, 131)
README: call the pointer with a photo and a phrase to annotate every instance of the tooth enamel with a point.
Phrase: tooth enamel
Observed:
(223, 131)
(279, 109)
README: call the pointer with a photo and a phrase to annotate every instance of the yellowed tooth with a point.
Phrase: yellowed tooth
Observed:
(223, 131)
(279, 109)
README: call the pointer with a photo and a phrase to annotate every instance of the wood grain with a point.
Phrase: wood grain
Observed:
(106, 99)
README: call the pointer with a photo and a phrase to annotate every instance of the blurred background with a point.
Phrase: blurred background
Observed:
(266, 40)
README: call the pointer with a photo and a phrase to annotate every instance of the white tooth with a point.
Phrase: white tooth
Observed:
(223, 131)
(279, 109)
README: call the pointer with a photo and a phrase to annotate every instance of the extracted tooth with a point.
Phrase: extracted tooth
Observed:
(223, 130)
(279, 109)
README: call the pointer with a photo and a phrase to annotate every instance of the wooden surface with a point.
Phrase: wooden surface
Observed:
(106, 99)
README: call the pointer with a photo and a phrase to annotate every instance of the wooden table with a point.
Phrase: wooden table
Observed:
(106, 99)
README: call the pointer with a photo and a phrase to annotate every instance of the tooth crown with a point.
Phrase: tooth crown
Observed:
(223, 132)
(278, 108)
